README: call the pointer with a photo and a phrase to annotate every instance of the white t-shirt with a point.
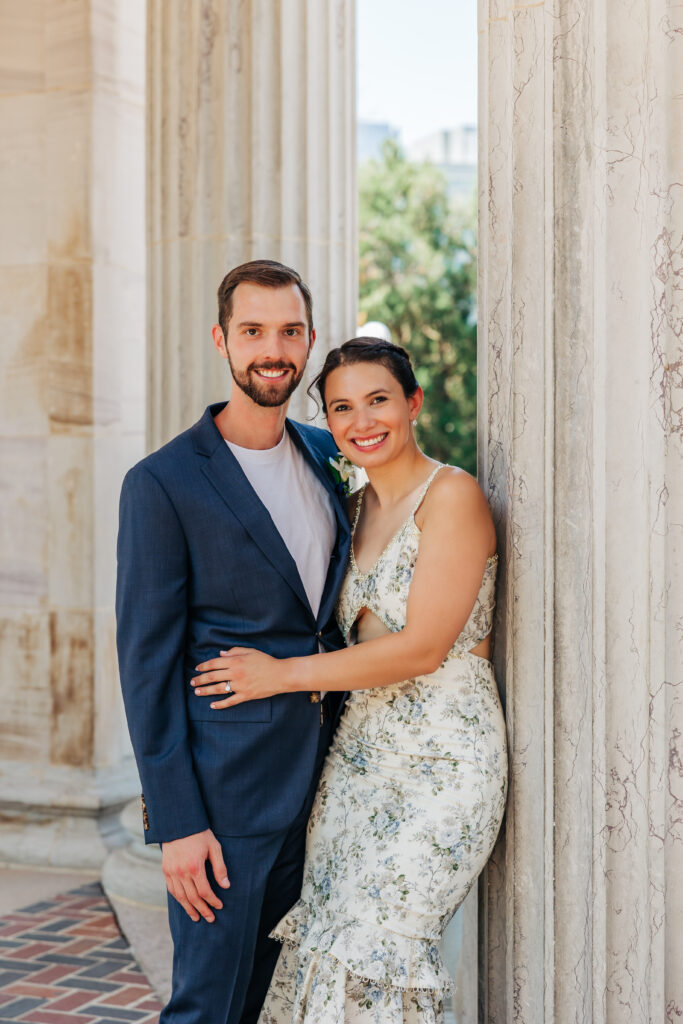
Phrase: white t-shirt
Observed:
(299, 506)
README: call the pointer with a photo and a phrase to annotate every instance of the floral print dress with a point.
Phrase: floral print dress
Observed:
(407, 811)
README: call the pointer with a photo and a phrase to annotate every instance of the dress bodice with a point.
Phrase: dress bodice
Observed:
(384, 588)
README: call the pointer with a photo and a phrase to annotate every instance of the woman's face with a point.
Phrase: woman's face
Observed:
(368, 413)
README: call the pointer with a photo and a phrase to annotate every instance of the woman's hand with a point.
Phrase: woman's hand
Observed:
(242, 672)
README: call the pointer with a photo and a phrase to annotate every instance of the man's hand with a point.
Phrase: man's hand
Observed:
(183, 862)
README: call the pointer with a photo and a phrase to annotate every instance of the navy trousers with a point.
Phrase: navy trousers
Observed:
(221, 971)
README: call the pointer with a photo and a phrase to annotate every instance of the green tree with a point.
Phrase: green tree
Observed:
(418, 276)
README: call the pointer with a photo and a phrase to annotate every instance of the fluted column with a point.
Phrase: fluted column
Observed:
(581, 431)
(251, 154)
(72, 319)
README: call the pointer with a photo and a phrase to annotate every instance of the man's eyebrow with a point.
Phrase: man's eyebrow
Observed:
(257, 323)
(378, 391)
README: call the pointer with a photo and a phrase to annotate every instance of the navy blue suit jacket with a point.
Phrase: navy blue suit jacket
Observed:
(202, 568)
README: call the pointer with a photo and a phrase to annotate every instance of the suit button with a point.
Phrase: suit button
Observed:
(319, 633)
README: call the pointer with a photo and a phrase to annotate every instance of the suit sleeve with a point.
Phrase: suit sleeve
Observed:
(151, 616)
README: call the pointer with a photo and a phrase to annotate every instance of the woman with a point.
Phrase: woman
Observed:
(412, 794)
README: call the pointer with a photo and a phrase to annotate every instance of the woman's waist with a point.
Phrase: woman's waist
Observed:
(393, 748)
(371, 626)
(459, 695)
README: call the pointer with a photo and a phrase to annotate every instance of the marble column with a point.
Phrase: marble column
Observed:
(251, 154)
(581, 430)
(71, 412)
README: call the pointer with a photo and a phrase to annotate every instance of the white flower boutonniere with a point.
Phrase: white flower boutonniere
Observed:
(344, 473)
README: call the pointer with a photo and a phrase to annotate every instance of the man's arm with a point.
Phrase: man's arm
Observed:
(151, 613)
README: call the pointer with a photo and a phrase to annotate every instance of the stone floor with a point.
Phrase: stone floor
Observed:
(21, 886)
(63, 959)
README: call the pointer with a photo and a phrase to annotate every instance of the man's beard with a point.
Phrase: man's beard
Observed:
(259, 390)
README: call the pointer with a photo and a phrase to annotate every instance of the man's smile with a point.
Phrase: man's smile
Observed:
(271, 374)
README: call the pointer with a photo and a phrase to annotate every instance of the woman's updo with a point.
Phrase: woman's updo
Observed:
(368, 350)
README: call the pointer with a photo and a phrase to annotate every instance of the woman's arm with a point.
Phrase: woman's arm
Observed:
(457, 535)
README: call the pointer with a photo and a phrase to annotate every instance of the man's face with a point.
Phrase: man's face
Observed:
(268, 341)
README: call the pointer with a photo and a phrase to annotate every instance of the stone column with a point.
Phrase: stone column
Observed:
(251, 154)
(71, 412)
(581, 378)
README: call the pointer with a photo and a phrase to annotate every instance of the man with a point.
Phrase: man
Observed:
(233, 534)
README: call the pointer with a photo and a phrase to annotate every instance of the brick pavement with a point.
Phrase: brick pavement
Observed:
(64, 961)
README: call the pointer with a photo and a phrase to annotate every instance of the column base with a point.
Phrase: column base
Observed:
(136, 889)
(62, 817)
(132, 873)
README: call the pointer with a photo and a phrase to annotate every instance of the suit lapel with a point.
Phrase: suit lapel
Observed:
(228, 478)
(335, 576)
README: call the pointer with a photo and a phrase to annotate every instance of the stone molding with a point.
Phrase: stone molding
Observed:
(63, 817)
(60, 789)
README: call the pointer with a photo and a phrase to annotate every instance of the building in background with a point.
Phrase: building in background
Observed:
(453, 151)
(371, 136)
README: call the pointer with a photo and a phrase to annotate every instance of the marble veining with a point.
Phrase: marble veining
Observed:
(581, 404)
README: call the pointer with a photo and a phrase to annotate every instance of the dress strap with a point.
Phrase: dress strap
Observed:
(425, 488)
(420, 498)
(356, 515)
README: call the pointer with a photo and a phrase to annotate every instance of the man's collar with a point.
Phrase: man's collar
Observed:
(205, 434)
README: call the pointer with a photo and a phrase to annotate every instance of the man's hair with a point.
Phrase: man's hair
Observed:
(268, 274)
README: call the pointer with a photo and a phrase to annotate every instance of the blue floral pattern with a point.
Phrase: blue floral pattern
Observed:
(407, 812)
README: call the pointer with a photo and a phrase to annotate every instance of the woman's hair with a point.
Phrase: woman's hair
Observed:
(367, 350)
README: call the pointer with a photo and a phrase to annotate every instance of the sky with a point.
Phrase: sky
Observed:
(417, 64)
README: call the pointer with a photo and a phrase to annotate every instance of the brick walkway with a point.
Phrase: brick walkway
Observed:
(64, 961)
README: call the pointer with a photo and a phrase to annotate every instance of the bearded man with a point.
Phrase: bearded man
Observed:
(232, 534)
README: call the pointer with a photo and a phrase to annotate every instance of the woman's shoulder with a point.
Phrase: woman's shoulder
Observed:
(452, 483)
(456, 492)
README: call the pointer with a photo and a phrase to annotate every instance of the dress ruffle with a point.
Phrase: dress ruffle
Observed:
(392, 960)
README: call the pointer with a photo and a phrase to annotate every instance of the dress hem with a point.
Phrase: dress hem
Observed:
(362, 977)
(285, 932)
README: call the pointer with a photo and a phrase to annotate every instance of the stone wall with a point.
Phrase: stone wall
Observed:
(71, 411)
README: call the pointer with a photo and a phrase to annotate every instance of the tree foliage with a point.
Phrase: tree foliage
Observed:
(418, 276)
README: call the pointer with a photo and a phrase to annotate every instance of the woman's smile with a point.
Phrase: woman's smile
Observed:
(367, 443)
